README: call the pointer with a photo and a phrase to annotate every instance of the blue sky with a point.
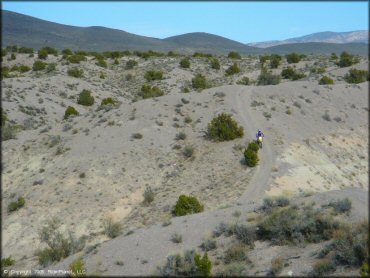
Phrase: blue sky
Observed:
(241, 21)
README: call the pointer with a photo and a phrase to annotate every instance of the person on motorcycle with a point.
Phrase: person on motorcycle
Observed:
(259, 137)
(259, 134)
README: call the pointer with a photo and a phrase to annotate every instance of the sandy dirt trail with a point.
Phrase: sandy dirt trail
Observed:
(259, 182)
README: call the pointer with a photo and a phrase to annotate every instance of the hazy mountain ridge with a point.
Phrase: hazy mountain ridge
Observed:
(361, 36)
(23, 30)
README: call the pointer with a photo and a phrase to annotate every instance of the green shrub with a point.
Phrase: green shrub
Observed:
(188, 265)
(130, 64)
(5, 72)
(253, 146)
(199, 82)
(318, 70)
(101, 63)
(70, 111)
(333, 57)
(112, 54)
(244, 81)
(291, 74)
(42, 54)
(293, 58)
(77, 267)
(357, 76)
(277, 265)
(204, 265)
(137, 136)
(39, 65)
(224, 128)
(245, 234)
(267, 78)
(76, 58)
(111, 228)
(176, 238)
(50, 50)
(275, 61)
(185, 63)
(215, 64)
(85, 98)
(234, 55)
(233, 69)
(8, 261)
(148, 91)
(108, 101)
(187, 205)
(181, 136)
(4, 52)
(350, 244)
(9, 131)
(208, 245)
(153, 75)
(326, 80)
(25, 50)
(4, 117)
(202, 55)
(290, 225)
(148, 195)
(346, 60)
(188, 151)
(116, 62)
(364, 272)
(322, 267)
(24, 68)
(341, 206)
(67, 52)
(263, 59)
(75, 72)
(59, 245)
(235, 253)
(251, 157)
(51, 67)
(13, 57)
(13, 206)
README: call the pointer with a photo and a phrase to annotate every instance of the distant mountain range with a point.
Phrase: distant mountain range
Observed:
(24, 30)
(328, 37)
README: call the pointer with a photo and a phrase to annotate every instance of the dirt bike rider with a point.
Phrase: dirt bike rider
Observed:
(259, 136)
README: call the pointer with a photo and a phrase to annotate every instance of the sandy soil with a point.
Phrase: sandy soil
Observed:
(302, 153)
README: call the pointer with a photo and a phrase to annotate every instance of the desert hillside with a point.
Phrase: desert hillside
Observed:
(143, 140)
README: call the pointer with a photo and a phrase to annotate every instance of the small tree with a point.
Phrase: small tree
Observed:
(148, 91)
(346, 60)
(293, 58)
(75, 72)
(204, 265)
(326, 80)
(70, 111)
(153, 75)
(42, 54)
(215, 64)
(233, 69)
(275, 61)
(67, 52)
(234, 55)
(85, 98)
(187, 205)
(224, 128)
(267, 78)
(185, 63)
(357, 76)
(199, 82)
(39, 65)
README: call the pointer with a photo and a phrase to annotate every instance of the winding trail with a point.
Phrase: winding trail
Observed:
(260, 180)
